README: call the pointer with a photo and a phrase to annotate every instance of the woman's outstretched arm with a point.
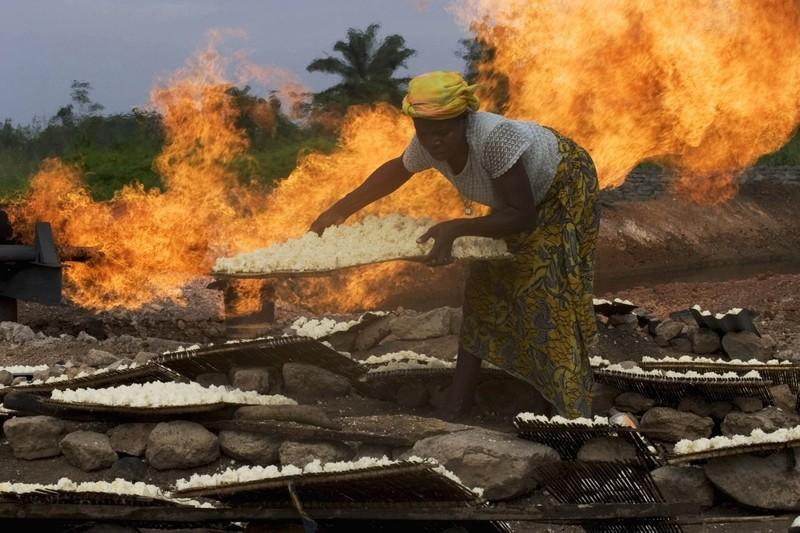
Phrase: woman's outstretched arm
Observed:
(386, 179)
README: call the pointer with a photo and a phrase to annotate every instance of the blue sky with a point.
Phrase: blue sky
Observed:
(122, 46)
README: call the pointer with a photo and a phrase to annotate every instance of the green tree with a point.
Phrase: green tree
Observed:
(493, 84)
(366, 68)
(79, 92)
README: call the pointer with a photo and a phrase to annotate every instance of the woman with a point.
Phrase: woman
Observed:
(532, 315)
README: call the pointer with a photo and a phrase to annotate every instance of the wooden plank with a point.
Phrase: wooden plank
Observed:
(304, 432)
(278, 274)
(535, 513)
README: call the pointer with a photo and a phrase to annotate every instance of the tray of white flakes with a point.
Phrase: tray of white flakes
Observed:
(372, 241)
(142, 400)
(368, 479)
(118, 491)
(688, 450)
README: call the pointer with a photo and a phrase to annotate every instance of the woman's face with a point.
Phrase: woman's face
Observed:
(441, 138)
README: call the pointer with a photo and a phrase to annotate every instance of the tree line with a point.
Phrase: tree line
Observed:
(115, 149)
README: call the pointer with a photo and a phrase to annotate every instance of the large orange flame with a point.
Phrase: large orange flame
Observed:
(706, 86)
(152, 243)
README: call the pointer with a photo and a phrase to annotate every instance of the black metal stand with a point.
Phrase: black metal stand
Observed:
(8, 309)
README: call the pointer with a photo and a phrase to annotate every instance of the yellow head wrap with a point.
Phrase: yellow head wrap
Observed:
(439, 96)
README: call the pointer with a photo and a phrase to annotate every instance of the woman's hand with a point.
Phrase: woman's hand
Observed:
(443, 235)
(331, 217)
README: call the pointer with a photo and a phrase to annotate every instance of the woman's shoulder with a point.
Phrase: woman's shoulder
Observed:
(483, 124)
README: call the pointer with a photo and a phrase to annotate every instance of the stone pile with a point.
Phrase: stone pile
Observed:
(681, 333)
(497, 461)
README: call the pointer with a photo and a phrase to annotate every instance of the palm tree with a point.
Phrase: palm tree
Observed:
(366, 69)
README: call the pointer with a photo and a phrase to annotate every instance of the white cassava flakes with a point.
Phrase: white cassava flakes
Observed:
(246, 474)
(560, 420)
(317, 328)
(404, 360)
(710, 361)
(757, 436)
(598, 361)
(118, 486)
(169, 394)
(689, 374)
(22, 369)
(372, 240)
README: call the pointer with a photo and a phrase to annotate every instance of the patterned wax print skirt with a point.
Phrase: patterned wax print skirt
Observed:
(532, 315)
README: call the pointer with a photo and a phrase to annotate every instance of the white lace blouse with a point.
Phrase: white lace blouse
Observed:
(495, 144)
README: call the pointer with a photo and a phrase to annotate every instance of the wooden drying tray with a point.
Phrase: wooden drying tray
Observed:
(419, 259)
(139, 374)
(777, 374)
(30, 404)
(568, 438)
(393, 484)
(668, 390)
(733, 450)
(306, 432)
(66, 497)
(274, 352)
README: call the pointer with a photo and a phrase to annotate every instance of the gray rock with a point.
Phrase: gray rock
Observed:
(19, 380)
(314, 382)
(684, 484)
(181, 444)
(88, 450)
(770, 482)
(748, 404)
(628, 320)
(784, 397)
(250, 447)
(669, 329)
(747, 345)
(213, 378)
(681, 344)
(34, 437)
(720, 409)
(6, 378)
(129, 468)
(251, 379)
(16, 333)
(607, 449)
(85, 337)
(142, 358)
(412, 395)
(767, 419)
(416, 326)
(40, 375)
(671, 425)
(118, 363)
(130, 439)
(302, 453)
(372, 335)
(704, 341)
(96, 358)
(304, 414)
(501, 463)
(695, 404)
(633, 402)
(441, 347)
